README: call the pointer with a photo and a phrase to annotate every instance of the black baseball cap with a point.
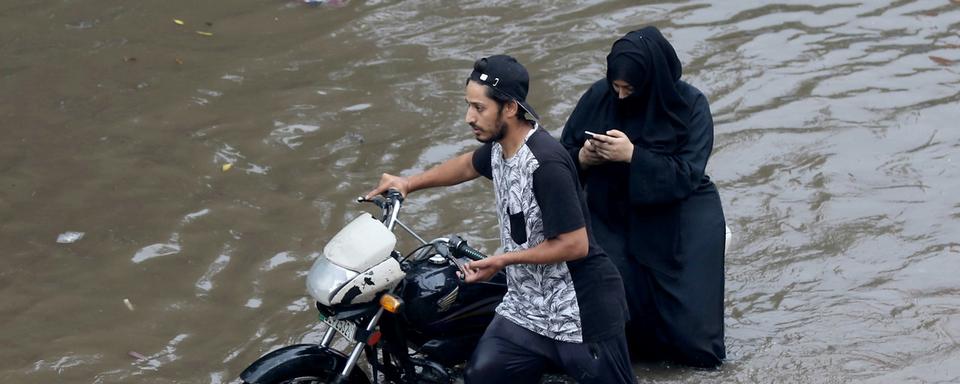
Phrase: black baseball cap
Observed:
(505, 76)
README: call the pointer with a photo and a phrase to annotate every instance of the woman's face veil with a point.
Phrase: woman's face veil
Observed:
(655, 112)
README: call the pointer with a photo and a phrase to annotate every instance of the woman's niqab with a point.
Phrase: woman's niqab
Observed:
(655, 114)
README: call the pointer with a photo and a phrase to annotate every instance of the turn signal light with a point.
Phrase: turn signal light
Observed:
(391, 303)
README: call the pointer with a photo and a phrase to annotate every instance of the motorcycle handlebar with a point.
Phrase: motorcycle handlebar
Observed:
(460, 248)
(388, 198)
(393, 195)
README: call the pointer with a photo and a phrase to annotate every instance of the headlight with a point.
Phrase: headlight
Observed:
(326, 278)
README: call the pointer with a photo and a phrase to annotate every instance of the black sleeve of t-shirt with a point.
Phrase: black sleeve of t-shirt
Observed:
(555, 188)
(481, 160)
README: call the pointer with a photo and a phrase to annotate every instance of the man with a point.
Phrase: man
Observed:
(564, 304)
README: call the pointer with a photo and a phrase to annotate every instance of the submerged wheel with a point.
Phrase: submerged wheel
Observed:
(356, 377)
(306, 380)
(327, 380)
(301, 364)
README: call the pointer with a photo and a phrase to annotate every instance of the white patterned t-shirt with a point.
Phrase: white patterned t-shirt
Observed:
(538, 197)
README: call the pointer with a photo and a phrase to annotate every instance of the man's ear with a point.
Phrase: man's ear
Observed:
(513, 109)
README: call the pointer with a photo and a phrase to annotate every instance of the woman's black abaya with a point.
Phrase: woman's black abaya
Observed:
(658, 217)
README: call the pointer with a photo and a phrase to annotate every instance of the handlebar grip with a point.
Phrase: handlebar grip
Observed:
(460, 248)
(470, 253)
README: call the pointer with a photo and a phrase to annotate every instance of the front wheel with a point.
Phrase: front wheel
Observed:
(328, 377)
(301, 364)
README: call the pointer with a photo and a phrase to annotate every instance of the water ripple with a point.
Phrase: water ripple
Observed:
(835, 159)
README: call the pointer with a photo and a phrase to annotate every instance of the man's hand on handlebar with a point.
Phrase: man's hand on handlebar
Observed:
(483, 270)
(387, 181)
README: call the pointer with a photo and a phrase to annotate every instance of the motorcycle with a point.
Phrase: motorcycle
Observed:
(411, 315)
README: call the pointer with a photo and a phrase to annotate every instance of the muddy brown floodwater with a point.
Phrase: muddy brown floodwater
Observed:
(837, 151)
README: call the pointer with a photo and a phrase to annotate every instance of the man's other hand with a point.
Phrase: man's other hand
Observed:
(483, 270)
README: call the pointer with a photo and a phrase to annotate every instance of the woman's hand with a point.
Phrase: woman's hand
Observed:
(588, 155)
(615, 146)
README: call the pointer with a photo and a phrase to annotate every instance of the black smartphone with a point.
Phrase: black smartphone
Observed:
(592, 135)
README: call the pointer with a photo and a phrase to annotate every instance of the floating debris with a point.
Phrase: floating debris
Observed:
(129, 59)
(128, 304)
(203, 33)
(69, 237)
(178, 22)
(226, 167)
(179, 61)
(137, 355)
(942, 61)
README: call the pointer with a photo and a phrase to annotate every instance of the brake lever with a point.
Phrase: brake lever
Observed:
(444, 250)
(378, 200)
(394, 193)
(461, 266)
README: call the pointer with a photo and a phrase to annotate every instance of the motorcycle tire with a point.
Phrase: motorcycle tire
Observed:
(301, 364)
(326, 377)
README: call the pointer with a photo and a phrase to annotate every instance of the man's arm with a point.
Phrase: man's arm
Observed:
(565, 247)
(454, 171)
(564, 226)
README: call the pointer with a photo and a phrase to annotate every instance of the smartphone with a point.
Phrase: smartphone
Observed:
(591, 134)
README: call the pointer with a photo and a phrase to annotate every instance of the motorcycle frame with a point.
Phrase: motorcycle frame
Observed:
(397, 364)
(389, 213)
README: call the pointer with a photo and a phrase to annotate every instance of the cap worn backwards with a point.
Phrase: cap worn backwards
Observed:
(505, 76)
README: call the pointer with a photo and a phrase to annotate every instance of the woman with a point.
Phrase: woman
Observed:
(654, 210)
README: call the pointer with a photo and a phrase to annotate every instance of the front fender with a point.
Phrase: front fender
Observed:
(293, 361)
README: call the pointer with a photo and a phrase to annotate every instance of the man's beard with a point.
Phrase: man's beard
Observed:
(501, 131)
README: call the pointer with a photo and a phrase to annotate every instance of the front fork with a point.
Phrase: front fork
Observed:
(357, 350)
